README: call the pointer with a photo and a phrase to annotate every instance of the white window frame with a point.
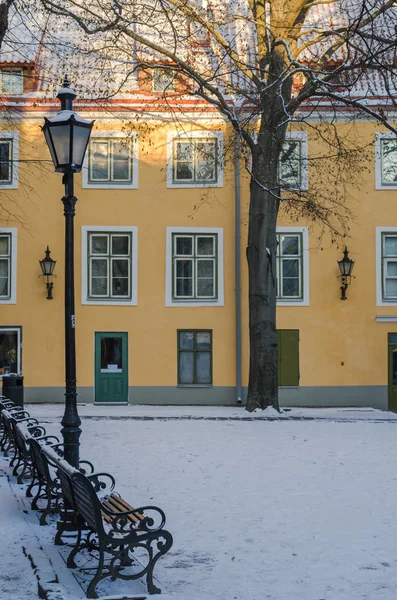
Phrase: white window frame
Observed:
(12, 136)
(18, 330)
(300, 136)
(85, 299)
(305, 300)
(169, 300)
(378, 161)
(13, 232)
(379, 271)
(114, 185)
(172, 136)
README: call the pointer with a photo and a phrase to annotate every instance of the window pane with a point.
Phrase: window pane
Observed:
(184, 171)
(290, 268)
(120, 287)
(99, 244)
(5, 164)
(111, 352)
(186, 369)
(205, 161)
(389, 161)
(391, 288)
(290, 164)
(205, 246)
(4, 245)
(391, 268)
(4, 279)
(205, 288)
(184, 274)
(99, 286)
(290, 288)
(203, 340)
(186, 339)
(99, 155)
(9, 351)
(390, 245)
(121, 161)
(205, 268)
(203, 367)
(184, 246)
(290, 244)
(120, 244)
(184, 151)
(99, 267)
(120, 267)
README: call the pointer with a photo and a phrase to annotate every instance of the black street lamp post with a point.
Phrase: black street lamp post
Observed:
(67, 137)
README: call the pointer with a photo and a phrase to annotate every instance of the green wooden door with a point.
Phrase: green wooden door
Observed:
(288, 357)
(392, 371)
(111, 367)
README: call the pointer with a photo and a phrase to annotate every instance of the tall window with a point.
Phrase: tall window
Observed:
(5, 266)
(163, 80)
(194, 266)
(11, 81)
(5, 161)
(195, 357)
(289, 266)
(388, 161)
(110, 161)
(109, 265)
(290, 165)
(195, 160)
(389, 267)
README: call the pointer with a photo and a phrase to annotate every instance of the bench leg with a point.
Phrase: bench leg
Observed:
(162, 547)
(70, 561)
(91, 593)
(34, 482)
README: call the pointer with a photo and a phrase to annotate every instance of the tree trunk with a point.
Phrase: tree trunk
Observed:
(4, 10)
(261, 257)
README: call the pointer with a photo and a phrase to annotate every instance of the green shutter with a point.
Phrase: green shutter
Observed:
(288, 357)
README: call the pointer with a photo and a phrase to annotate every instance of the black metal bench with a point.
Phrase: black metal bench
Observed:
(117, 529)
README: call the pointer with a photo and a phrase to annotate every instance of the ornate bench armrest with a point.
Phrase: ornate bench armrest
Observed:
(36, 431)
(149, 518)
(102, 482)
(86, 467)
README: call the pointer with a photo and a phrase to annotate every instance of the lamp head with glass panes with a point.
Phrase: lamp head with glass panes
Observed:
(67, 134)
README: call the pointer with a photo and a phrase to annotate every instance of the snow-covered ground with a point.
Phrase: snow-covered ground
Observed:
(285, 510)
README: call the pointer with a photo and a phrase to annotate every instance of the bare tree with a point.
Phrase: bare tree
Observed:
(265, 66)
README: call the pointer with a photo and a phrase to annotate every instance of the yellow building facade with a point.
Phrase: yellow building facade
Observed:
(155, 272)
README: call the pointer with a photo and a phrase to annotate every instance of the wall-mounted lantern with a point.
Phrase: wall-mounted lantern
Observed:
(47, 265)
(346, 267)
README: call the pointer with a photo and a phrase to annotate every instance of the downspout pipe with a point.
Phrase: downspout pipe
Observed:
(237, 225)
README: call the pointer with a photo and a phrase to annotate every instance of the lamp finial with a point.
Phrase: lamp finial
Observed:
(66, 82)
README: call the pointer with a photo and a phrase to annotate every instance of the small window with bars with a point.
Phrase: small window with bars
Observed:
(163, 80)
(289, 266)
(195, 357)
(195, 266)
(388, 161)
(109, 266)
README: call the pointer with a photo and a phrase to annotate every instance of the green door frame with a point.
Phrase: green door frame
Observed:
(111, 382)
(392, 371)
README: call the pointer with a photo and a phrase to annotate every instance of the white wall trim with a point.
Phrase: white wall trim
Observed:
(13, 289)
(386, 318)
(103, 133)
(169, 301)
(133, 301)
(305, 266)
(378, 162)
(14, 136)
(171, 135)
(302, 137)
